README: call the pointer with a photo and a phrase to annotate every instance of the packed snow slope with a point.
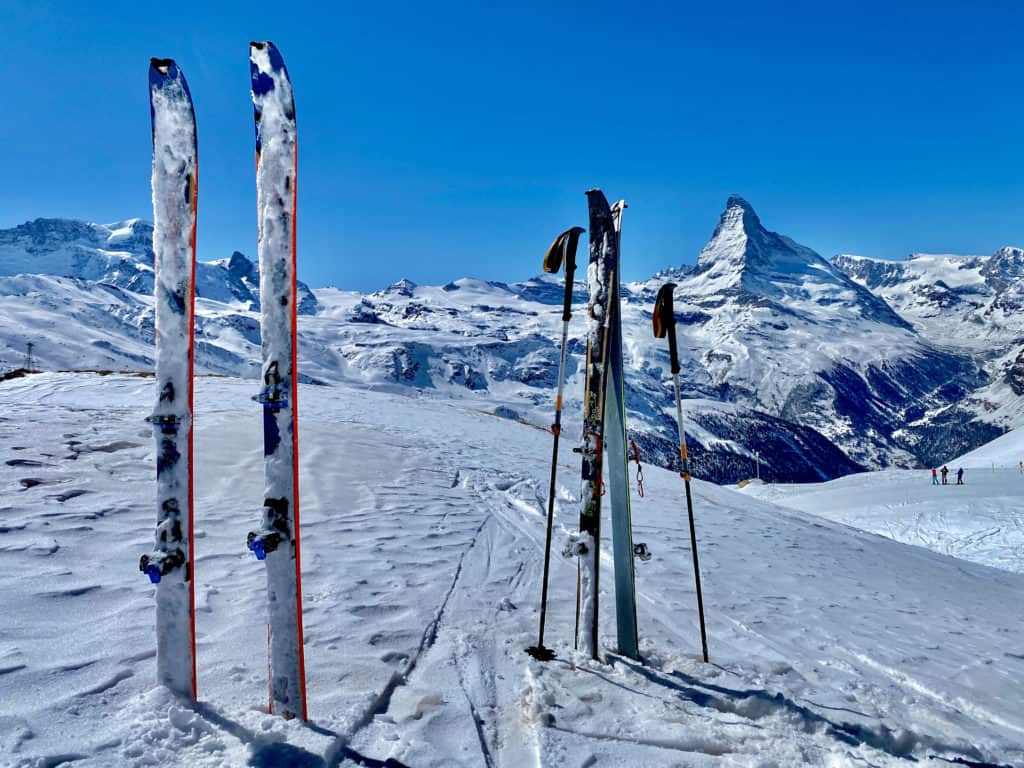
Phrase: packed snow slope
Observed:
(981, 520)
(423, 548)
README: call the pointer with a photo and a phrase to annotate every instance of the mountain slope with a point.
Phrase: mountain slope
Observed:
(784, 355)
(971, 304)
(769, 322)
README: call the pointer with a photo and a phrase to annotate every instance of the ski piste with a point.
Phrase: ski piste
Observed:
(600, 276)
(562, 251)
(277, 541)
(618, 461)
(175, 193)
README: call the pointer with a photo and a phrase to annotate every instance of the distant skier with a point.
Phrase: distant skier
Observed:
(935, 476)
(1021, 467)
(960, 476)
(945, 471)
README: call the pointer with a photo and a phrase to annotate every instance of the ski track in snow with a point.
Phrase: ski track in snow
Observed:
(423, 532)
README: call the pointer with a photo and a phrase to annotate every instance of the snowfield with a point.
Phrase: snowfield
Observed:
(423, 530)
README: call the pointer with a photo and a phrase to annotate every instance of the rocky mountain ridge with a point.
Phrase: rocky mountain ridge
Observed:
(786, 355)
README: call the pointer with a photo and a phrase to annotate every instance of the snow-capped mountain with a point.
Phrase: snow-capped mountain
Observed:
(771, 324)
(121, 255)
(786, 355)
(972, 304)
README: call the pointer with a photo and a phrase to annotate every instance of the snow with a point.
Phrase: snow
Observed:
(981, 521)
(1005, 451)
(424, 527)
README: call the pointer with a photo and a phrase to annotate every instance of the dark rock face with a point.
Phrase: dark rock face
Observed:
(1015, 375)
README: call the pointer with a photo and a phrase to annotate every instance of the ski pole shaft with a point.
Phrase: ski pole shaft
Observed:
(696, 574)
(557, 430)
(689, 509)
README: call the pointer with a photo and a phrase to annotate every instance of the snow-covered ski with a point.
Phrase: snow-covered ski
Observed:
(277, 541)
(175, 188)
(600, 276)
(618, 462)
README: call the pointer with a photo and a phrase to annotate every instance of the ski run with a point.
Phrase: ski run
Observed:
(826, 625)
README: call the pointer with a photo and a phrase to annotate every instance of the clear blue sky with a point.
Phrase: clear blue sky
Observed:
(441, 140)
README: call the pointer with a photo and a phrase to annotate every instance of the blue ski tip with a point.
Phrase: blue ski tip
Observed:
(166, 72)
(262, 82)
(165, 75)
(153, 572)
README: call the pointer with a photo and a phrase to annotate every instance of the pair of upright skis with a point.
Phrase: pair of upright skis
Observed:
(175, 195)
(604, 433)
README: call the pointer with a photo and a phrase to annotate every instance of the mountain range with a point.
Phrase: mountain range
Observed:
(812, 368)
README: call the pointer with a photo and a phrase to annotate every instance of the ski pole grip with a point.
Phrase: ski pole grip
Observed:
(564, 250)
(571, 244)
(665, 322)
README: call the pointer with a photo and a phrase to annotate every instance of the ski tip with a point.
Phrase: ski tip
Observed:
(268, 71)
(162, 66)
(264, 52)
(165, 73)
(596, 198)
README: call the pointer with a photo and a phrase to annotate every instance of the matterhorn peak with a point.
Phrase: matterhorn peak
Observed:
(736, 201)
(759, 267)
(737, 238)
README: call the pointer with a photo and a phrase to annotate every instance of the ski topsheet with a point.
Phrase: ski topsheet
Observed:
(175, 188)
(277, 541)
(618, 460)
(600, 276)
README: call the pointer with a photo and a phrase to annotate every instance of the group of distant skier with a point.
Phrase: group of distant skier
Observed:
(945, 473)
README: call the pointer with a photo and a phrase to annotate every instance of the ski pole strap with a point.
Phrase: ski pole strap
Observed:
(639, 469)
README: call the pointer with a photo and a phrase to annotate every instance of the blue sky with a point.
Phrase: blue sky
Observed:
(440, 140)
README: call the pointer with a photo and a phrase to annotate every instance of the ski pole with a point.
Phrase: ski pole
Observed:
(562, 250)
(665, 323)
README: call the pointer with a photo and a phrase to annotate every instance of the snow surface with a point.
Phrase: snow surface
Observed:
(424, 529)
(981, 521)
